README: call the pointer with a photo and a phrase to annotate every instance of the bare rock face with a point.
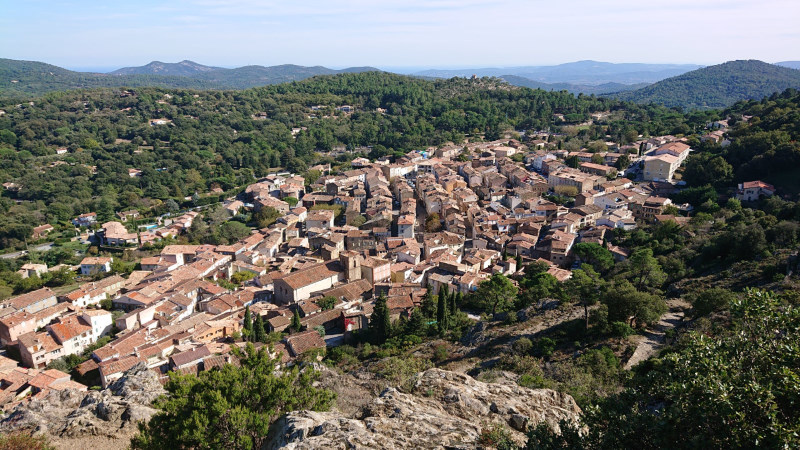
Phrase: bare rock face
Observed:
(444, 410)
(108, 412)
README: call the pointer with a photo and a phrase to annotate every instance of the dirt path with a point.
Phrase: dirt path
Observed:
(653, 340)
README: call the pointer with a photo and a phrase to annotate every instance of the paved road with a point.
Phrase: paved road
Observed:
(39, 248)
(14, 255)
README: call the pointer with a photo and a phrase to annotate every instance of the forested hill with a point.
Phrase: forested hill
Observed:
(30, 78)
(183, 69)
(718, 86)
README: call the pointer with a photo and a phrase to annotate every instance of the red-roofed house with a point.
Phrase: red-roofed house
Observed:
(750, 191)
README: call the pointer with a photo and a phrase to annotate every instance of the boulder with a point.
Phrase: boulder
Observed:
(71, 413)
(443, 409)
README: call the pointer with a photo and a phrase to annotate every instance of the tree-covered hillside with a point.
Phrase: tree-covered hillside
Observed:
(718, 86)
(764, 145)
(30, 78)
(182, 69)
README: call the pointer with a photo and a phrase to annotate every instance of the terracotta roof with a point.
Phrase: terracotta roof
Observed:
(183, 358)
(119, 365)
(25, 300)
(312, 274)
(95, 260)
(68, 328)
(302, 342)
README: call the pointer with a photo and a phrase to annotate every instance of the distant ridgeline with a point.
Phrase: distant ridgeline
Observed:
(35, 78)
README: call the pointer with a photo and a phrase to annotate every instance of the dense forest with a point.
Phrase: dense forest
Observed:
(717, 86)
(764, 145)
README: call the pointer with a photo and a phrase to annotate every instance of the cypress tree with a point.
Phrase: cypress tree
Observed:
(247, 326)
(258, 330)
(454, 302)
(296, 325)
(441, 310)
(380, 323)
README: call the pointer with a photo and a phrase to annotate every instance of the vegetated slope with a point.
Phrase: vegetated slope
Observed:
(573, 88)
(183, 69)
(718, 86)
(28, 78)
(768, 145)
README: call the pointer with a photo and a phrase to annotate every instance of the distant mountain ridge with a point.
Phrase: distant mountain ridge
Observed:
(717, 86)
(586, 72)
(599, 89)
(36, 78)
(789, 64)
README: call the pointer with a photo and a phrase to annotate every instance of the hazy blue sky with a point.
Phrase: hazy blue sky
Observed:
(397, 33)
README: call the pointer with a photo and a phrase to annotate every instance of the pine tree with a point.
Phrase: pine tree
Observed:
(441, 310)
(429, 304)
(296, 321)
(247, 325)
(416, 323)
(380, 323)
(259, 334)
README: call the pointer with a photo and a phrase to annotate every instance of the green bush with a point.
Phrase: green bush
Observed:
(522, 346)
(621, 329)
(496, 436)
(545, 347)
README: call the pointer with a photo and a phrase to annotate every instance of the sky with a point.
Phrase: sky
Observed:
(396, 34)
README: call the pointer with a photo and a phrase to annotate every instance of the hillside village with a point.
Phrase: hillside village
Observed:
(450, 216)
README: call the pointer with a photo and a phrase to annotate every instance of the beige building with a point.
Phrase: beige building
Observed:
(570, 177)
(301, 284)
(660, 167)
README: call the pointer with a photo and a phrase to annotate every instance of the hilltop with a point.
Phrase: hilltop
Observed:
(183, 69)
(718, 86)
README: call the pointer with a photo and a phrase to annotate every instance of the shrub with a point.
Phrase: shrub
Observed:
(496, 436)
(522, 346)
(711, 300)
(621, 329)
(18, 440)
(545, 347)
(440, 353)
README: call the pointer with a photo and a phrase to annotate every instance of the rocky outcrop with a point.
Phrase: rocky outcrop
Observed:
(444, 409)
(107, 412)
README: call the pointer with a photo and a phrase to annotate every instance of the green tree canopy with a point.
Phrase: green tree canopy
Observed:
(230, 407)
